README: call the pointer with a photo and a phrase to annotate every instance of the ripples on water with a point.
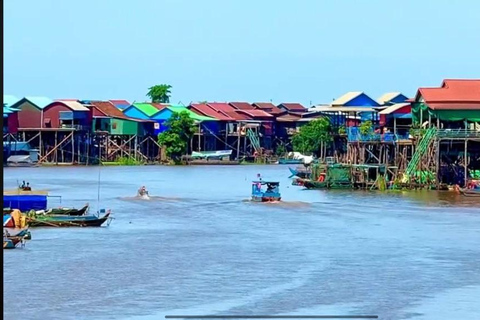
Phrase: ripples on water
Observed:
(198, 247)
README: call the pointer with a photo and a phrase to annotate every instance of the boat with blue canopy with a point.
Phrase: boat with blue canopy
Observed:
(266, 191)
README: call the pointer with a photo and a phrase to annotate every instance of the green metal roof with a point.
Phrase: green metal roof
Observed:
(146, 108)
(192, 114)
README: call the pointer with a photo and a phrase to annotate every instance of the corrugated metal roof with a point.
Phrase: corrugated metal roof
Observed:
(293, 106)
(227, 110)
(342, 109)
(205, 110)
(453, 90)
(393, 108)
(268, 107)
(192, 114)
(109, 109)
(39, 102)
(242, 105)
(147, 108)
(74, 105)
(255, 113)
(389, 96)
(9, 100)
(346, 98)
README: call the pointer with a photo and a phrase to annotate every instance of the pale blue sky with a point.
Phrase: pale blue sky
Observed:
(236, 50)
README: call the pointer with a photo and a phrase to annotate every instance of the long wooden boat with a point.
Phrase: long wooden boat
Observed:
(18, 232)
(67, 221)
(470, 192)
(68, 211)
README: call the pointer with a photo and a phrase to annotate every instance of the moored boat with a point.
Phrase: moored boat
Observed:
(470, 192)
(66, 211)
(12, 242)
(67, 221)
(271, 194)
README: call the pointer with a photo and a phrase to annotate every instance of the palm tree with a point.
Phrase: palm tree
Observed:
(160, 93)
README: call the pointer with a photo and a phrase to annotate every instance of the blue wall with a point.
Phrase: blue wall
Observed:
(362, 101)
(133, 112)
(164, 114)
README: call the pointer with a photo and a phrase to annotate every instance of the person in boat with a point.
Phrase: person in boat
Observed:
(23, 185)
(143, 191)
(27, 187)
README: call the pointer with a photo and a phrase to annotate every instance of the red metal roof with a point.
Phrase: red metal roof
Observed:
(242, 105)
(453, 90)
(227, 110)
(205, 110)
(120, 102)
(268, 107)
(256, 113)
(293, 106)
(109, 110)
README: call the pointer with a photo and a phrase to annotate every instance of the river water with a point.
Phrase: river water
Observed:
(200, 248)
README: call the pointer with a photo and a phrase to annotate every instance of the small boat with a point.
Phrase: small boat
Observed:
(12, 242)
(315, 185)
(271, 194)
(470, 192)
(18, 232)
(300, 172)
(66, 211)
(142, 193)
(67, 221)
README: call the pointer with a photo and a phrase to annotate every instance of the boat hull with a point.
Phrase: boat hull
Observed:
(68, 221)
(470, 193)
(68, 212)
(266, 199)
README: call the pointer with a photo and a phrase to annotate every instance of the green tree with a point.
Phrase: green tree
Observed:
(175, 139)
(160, 93)
(312, 136)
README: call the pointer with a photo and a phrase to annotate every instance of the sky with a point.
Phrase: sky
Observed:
(307, 51)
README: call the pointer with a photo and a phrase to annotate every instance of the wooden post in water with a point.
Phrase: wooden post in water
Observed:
(238, 142)
(199, 137)
(73, 146)
(466, 162)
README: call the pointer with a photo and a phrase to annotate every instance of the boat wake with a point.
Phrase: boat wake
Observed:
(281, 204)
(149, 198)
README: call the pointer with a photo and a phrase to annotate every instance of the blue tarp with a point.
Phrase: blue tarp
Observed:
(17, 146)
(25, 202)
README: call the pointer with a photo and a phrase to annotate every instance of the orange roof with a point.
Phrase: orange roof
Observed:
(453, 90)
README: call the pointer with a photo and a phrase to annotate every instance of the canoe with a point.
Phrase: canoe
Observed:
(470, 192)
(68, 221)
(68, 211)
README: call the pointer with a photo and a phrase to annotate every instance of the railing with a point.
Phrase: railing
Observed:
(458, 133)
(77, 127)
(354, 135)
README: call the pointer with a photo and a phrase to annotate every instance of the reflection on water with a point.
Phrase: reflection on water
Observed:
(198, 247)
